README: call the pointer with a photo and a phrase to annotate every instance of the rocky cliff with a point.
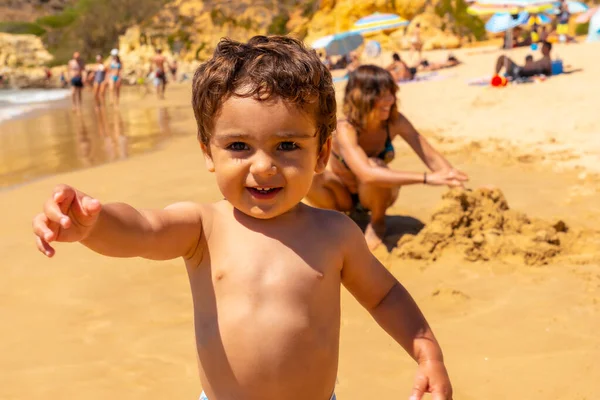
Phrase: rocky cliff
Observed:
(22, 58)
(340, 15)
(189, 29)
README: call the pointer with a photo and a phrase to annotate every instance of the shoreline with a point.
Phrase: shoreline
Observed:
(93, 136)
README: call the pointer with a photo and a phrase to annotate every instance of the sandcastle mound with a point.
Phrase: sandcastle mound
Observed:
(479, 225)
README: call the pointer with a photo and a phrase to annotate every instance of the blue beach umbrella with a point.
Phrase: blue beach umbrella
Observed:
(574, 7)
(501, 22)
(378, 22)
(339, 44)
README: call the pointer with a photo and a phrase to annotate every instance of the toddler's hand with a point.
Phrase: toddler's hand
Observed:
(432, 377)
(69, 216)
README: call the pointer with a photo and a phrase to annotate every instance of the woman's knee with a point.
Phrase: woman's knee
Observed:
(327, 192)
(373, 196)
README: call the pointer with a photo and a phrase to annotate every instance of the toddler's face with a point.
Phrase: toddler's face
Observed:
(264, 155)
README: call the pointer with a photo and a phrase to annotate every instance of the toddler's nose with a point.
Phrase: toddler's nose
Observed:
(262, 164)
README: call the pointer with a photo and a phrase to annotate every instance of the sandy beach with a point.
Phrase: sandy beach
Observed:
(89, 327)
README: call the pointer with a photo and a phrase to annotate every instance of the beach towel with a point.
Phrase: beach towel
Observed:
(427, 77)
(424, 77)
(486, 81)
(340, 78)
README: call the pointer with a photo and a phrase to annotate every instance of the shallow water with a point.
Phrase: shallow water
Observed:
(56, 139)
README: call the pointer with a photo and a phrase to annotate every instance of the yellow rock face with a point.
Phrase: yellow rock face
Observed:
(22, 51)
(190, 29)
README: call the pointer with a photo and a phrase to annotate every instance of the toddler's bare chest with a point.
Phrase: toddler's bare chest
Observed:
(272, 265)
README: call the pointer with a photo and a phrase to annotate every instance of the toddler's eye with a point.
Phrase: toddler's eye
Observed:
(238, 146)
(287, 146)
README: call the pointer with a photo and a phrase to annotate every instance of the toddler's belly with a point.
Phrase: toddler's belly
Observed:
(271, 351)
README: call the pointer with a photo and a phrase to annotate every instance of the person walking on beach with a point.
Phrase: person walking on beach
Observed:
(265, 270)
(160, 75)
(75, 68)
(173, 68)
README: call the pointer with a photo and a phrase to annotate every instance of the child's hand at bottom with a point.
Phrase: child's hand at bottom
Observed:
(69, 216)
(432, 377)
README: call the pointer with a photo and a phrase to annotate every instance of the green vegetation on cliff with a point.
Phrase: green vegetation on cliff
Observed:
(21, 28)
(461, 23)
(88, 26)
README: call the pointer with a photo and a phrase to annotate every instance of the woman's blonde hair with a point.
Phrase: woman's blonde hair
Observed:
(365, 85)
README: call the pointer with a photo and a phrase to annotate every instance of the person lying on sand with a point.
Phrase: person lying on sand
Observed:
(402, 73)
(452, 61)
(543, 66)
(358, 177)
(354, 62)
(399, 69)
(264, 269)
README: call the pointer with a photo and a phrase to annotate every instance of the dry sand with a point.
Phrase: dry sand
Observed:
(88, 327)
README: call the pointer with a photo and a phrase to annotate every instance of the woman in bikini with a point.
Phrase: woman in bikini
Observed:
(99, 81)
(358, 176)
(114, 80)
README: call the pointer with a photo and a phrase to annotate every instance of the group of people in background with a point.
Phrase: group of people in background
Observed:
(539, 33)
(102, 75)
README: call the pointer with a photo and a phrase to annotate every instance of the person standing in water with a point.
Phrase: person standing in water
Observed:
(114, 79)
(75, 68)
(99, 81)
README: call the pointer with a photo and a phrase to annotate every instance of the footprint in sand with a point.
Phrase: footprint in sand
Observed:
(446, 294)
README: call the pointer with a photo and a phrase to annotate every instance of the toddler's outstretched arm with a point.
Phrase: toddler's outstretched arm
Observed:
(117, 229)
(396, 312)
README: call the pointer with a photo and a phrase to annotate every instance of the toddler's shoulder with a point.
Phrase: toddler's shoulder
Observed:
(333, 222)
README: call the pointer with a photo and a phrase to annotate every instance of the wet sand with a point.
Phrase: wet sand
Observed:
(84, 326)
(55, 139)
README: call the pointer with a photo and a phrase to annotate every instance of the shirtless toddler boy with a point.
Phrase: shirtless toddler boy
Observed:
(264, 269)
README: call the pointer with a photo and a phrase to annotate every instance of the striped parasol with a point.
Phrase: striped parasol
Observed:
(539, 19)
(489, 7)
(378, 22)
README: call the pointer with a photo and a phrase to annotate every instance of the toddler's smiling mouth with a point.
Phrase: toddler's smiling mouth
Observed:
(263, 192)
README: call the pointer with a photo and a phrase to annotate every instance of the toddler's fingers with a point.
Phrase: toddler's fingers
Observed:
(90, 205)
(54, 213)
(419, 388)
(441, 395)
(44, 247)
(62, 193)
(41, 229)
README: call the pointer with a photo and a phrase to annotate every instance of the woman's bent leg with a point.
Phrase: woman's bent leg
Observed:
(377, 199)
(327, 191)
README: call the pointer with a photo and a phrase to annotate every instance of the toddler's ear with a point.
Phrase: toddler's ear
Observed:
(210, 165)
(323, 157)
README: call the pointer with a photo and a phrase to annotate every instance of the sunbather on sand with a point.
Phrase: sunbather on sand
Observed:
(543, 66)
(451, 61)
(399, 69)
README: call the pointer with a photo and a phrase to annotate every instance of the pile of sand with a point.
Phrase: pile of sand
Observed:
(479, 225)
